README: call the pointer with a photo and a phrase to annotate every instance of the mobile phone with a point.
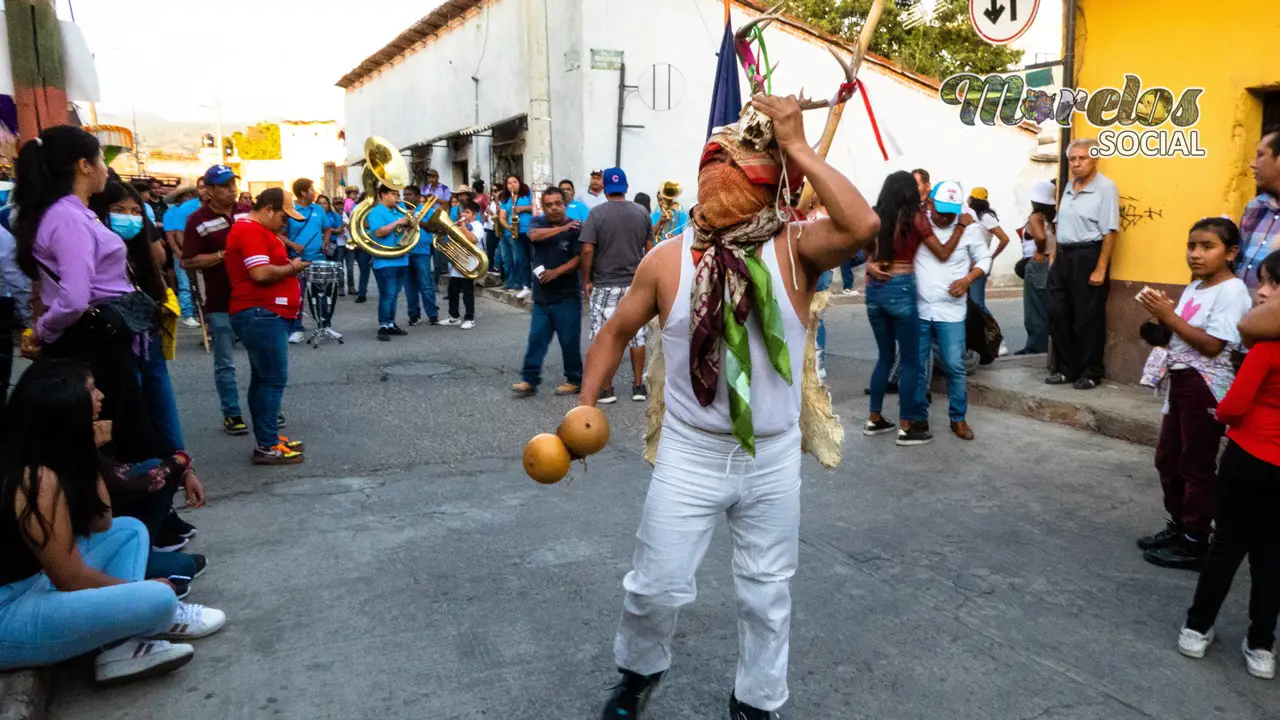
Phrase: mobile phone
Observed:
(1145, 289)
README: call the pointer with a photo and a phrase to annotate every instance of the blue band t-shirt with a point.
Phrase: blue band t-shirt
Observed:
(381, 216)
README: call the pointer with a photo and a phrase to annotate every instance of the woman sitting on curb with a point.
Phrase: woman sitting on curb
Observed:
(71, 575)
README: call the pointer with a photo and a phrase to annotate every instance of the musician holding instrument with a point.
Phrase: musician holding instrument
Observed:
(386, 224)
(420, 290)
(669, 220)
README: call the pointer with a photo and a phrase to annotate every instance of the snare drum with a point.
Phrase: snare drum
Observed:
(324, 272)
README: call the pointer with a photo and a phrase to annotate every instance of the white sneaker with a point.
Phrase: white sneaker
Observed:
(295, 337)
(1193, 644)
(192, 622)
(1262, 663)
(848, 291)
(136, 659)
(524, 293)
(334, 334)
(450, 321)
(468, 324)
(190, 322)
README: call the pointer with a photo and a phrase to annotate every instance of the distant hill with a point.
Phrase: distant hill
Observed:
(156, 133)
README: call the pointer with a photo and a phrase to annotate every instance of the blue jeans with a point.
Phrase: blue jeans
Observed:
(185, 301)
(157, 392)
(362, 260)
(421, 287)
(846, 274)
(978, 292)
(390, 281)
(520, 273)
(950, 339)
(224, 363)
(820, 339)
(891, 309)
(265, 336)
(563, 318)
(40, 625)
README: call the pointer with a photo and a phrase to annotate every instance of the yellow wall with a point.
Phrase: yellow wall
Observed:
(1226, 48)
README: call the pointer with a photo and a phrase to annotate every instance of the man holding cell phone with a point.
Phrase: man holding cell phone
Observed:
(557, 299)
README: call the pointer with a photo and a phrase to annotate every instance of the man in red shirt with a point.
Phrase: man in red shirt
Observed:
(203, 245)
(264, 301)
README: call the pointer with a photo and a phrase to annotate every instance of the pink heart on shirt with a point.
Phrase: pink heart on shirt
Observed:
(1190, 309)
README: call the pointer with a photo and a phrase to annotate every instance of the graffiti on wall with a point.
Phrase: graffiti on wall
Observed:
(1133, 212)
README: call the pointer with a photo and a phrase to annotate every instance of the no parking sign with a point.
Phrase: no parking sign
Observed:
(1000, 22)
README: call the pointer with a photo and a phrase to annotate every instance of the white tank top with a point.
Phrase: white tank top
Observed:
(775, 405)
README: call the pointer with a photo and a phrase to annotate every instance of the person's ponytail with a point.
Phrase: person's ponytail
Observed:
(45, 172)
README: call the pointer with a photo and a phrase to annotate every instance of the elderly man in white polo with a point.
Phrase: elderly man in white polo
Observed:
(1088, 220)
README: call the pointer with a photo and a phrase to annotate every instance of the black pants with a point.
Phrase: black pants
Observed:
(467, 290)
(8, 325)
(1248, 523)
(1077, 312)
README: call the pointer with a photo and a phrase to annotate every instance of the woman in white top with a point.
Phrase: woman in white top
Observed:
(988, 224)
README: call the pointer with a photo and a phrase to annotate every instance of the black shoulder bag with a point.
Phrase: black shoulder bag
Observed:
(133, 313)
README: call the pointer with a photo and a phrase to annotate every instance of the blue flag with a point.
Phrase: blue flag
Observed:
(726, 98)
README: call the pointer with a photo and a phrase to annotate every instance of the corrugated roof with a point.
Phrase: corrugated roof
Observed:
(428, 26)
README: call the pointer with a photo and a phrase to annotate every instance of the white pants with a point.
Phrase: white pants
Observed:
(698, 477)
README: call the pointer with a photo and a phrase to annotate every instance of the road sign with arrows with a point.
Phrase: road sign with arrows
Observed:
(1000, 22)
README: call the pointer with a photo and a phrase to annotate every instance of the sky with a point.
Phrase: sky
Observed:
(169, 57)
(265, 59)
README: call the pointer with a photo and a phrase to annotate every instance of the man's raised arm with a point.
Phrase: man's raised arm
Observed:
(851, 222)
(638, 306)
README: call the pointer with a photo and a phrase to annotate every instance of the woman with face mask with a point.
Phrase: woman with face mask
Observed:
(97, 300)
(120, 208)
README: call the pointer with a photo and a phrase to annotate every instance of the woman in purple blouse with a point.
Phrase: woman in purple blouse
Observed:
(80, 265)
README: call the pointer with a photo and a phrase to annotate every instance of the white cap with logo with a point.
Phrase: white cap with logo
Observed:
(948, 196)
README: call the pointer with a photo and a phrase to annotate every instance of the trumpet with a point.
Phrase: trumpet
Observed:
(383, 165)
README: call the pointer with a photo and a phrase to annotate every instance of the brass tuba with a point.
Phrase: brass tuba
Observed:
(383, 165)
(667, 208)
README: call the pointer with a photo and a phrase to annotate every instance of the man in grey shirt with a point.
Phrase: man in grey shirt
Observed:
(1088, 220)
(615, 237)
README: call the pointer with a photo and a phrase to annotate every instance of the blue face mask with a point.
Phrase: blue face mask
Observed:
(126, 226)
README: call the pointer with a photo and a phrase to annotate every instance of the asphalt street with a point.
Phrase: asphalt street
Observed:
(409, 569)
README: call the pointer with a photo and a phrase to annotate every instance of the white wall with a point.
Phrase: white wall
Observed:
(430, 92)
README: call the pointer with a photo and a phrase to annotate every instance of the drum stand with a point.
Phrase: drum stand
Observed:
(321, 298)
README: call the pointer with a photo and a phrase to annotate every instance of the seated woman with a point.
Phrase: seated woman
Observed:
(71, 575)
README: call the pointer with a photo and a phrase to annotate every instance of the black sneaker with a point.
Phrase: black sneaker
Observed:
(181, 588)
(433, 321)
(1085, 384)
(1057, 379)
(384, 334)
(739, 710)
(1164, 538)
(361, 299)
(280, 422)
(1183, 554)
(234, 425)
(639, 393)
(606, 397)
(175, 524)
(168, 541)
(878, 427)
(415, 321)
(397, 330)
(201, 562)
(916, 434)
(630, 696)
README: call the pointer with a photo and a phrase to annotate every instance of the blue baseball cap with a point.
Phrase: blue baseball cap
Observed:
(219, 174)
(615, 181)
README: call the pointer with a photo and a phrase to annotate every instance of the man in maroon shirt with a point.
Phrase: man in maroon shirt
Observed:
(204, 242)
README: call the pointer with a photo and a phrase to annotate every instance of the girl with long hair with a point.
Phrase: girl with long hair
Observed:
(94, 311)
(988, 223)
(891, 306)
(71, 574)
(1038, 237)
(516, 203)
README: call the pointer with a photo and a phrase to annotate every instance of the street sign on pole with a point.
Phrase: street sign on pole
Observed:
(1000, 22)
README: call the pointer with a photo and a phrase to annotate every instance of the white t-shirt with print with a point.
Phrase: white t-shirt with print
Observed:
(477, 229)
(1216, 310)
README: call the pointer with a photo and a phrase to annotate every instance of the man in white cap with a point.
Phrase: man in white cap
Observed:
(942, 291)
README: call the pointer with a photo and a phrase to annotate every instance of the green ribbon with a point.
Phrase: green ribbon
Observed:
(738, 358)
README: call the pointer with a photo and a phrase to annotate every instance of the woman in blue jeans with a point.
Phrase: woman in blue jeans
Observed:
(516, 210)
(891, 308)
(71, 575)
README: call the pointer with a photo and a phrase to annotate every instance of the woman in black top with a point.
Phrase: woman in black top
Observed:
(70, 573)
